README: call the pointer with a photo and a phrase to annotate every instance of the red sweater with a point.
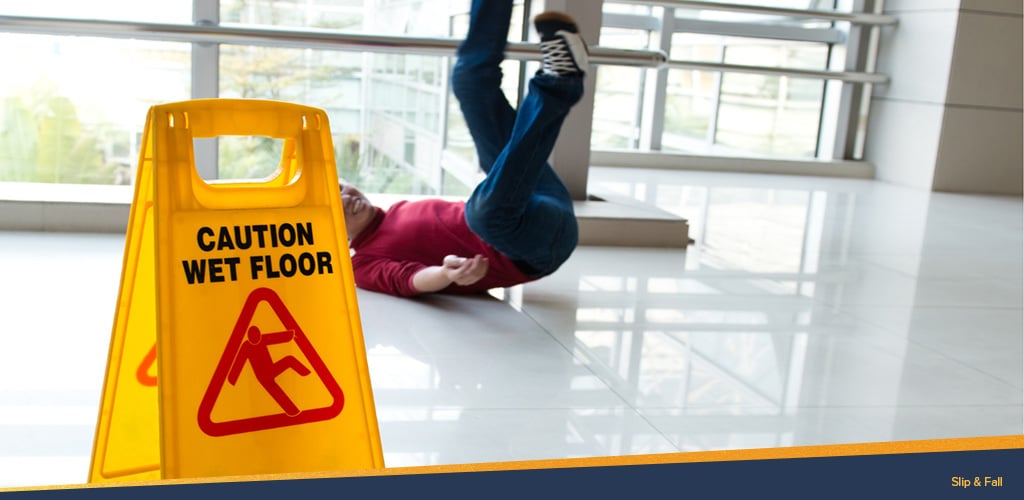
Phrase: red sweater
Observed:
(413, 235)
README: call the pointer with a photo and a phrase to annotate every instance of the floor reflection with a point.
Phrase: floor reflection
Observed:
(780, 326)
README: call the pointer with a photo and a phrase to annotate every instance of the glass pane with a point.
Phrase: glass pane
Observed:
(619, 94)
(697, 47)
(164, 11)
(248, 157)
(748, 114)
(617, 102)
(775, 53)
(75, 109)
(771, 115)
(766, 119)
(689, 105)
(328, 80)
(403, 124)
(690, 95)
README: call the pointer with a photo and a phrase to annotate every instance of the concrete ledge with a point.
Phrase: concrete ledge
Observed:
(30, 206)
(64, 216)
(629, 223)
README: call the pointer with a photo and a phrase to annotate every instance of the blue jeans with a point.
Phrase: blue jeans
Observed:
(521, 208)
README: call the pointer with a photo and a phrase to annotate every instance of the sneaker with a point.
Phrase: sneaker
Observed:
(564, 51)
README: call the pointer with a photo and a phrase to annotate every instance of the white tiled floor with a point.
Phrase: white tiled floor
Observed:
(809, 311)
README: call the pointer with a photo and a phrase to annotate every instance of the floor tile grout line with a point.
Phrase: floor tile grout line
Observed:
(587, 365)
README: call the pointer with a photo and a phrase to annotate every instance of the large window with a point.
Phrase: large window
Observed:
(72, 107)
(708, 112)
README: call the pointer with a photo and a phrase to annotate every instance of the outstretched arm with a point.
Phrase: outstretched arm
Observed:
(458, 270)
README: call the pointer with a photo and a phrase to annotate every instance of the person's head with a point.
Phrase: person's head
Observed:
(358, 210)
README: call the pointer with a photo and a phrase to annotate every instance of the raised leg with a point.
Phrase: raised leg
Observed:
(521, 208)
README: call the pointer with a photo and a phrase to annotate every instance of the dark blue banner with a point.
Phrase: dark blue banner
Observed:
(963, 474)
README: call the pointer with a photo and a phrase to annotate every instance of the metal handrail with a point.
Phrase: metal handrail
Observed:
(862, 18)
(337, 40)
(303, 38)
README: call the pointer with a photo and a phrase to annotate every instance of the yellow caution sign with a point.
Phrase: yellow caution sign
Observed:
(237, 347)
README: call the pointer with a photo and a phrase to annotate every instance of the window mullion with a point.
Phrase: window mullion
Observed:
(653, 126)
(849, 102)
(205, 80)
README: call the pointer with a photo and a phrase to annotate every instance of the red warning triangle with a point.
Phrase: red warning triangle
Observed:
(248, 344)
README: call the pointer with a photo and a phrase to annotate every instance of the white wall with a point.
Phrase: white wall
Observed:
(951, 118)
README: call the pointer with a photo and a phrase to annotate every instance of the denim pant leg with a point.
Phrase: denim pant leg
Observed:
(476, 79)
(522, 208)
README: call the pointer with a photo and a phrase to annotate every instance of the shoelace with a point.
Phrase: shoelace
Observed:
(557, 58)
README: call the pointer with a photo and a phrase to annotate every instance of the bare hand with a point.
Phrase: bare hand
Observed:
(463, 271)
